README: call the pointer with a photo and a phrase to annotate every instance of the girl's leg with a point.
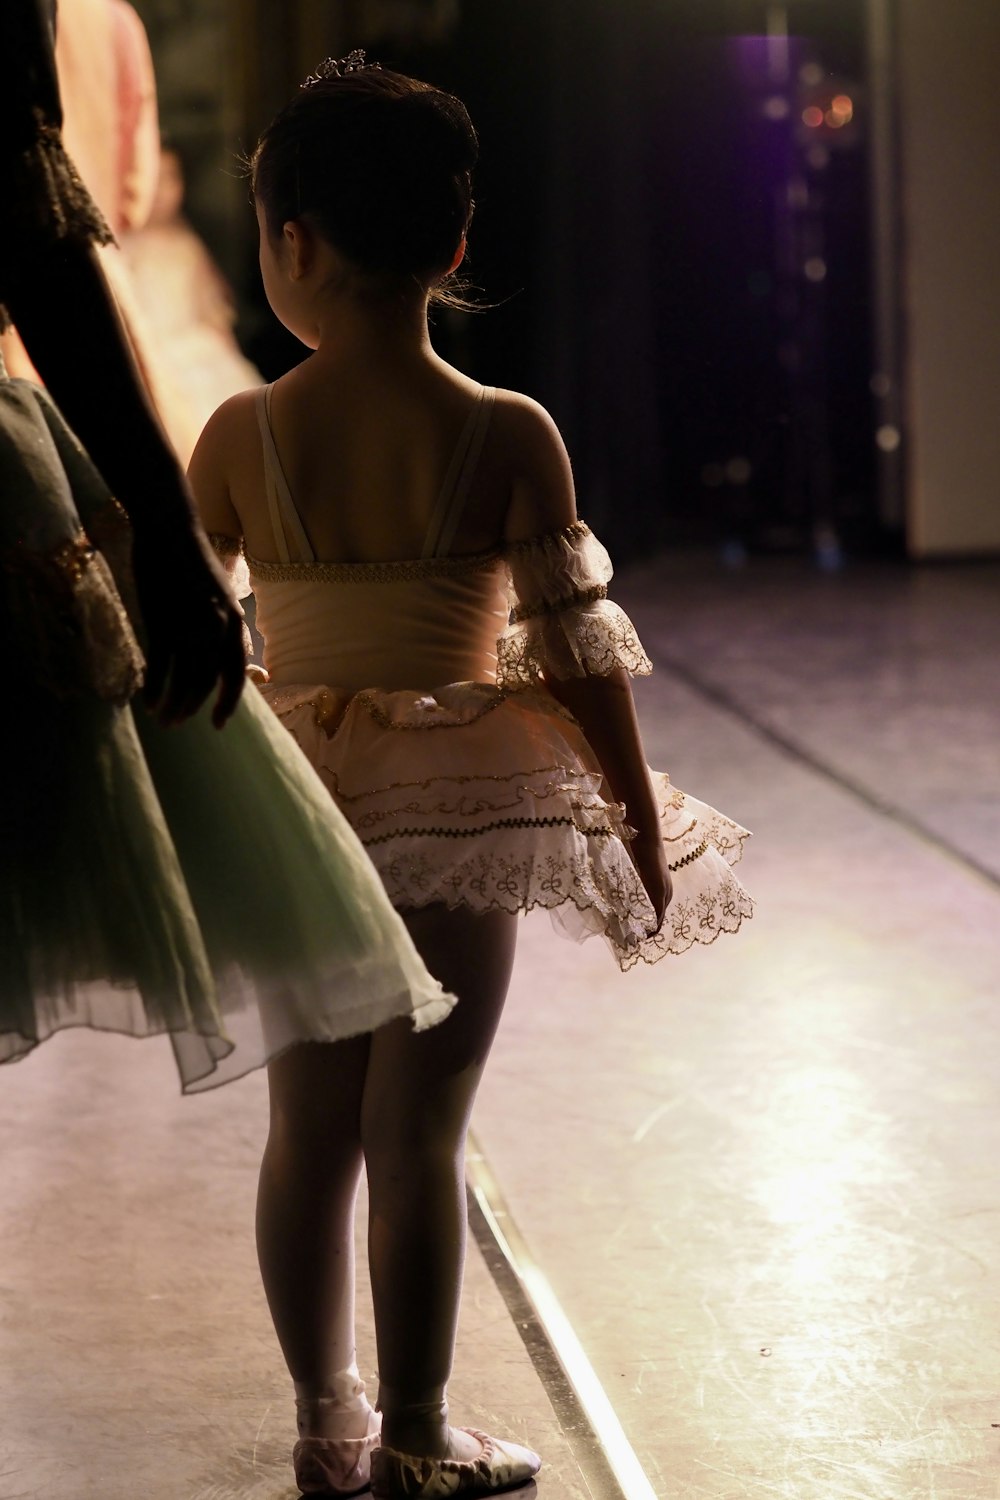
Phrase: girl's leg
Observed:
(305, 1228)
(418, 1096)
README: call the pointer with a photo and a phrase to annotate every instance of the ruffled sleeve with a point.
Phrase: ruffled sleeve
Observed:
(562, 623)
(229, 550)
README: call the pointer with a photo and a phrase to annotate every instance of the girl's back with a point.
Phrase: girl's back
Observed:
(365, 452)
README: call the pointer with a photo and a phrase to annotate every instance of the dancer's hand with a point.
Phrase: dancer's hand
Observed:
(194, 627)
(650, 859)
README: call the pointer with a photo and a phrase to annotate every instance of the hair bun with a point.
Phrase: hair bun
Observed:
(382, 162)
(453, 118)
(437, 134)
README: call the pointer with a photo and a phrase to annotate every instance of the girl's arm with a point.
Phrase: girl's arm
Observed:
(208, 474)
(208, 471)
(605, 711)
(542, 503)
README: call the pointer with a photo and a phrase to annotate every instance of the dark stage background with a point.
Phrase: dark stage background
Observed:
(675, 264)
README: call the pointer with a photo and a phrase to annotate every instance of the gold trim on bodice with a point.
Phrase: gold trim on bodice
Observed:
(449, 566)
(372, 572)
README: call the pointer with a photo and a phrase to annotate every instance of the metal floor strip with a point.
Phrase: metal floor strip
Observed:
(606, 1459)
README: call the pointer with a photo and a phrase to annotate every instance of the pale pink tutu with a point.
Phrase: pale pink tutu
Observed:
(493, 799)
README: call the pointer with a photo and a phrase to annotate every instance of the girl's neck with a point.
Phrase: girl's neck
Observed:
(358, 332)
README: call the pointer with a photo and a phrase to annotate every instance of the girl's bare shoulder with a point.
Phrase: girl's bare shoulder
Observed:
(526, 419)
(222, 465)
(229, 426)
(542, 495)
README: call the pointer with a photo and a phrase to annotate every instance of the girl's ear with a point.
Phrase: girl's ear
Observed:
(459, 255)
(300, 248)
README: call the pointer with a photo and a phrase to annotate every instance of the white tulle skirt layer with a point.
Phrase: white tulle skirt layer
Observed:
(192, 882)
(467, 795)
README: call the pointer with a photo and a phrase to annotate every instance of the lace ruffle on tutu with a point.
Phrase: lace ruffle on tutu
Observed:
(494, 800)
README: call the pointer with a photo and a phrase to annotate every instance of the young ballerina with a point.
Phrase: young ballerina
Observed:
(439, 641)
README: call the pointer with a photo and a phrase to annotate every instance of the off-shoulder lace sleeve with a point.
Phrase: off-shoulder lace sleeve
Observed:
(229, 550)
(562, 622)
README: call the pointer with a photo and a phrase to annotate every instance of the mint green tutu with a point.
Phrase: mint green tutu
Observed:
(187, 881)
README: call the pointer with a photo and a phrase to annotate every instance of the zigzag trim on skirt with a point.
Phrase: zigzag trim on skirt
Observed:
(469, 833)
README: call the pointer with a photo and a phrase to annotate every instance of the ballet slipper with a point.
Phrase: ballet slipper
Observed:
(334, 1466)
(500, 1466)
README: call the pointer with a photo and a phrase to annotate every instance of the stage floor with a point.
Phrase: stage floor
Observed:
(761, 1179)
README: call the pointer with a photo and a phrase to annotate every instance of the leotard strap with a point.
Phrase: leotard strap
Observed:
(458, 480)
(285, 519)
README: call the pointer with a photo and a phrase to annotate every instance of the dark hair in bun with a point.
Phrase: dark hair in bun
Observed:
(381, 163)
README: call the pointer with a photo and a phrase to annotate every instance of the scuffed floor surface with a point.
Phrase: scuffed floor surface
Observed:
(762, 1178)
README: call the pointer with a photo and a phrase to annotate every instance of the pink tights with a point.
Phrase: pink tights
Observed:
(397, 1104)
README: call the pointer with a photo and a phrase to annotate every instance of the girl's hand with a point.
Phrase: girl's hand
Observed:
(650, 860)
(194, 627)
